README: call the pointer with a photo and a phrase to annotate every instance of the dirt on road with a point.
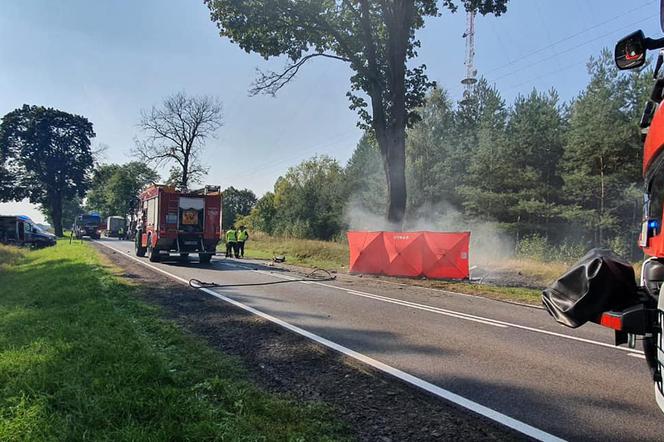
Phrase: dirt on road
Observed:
(375, 406)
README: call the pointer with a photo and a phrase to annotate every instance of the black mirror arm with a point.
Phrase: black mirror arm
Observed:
(653, 43)
(658, 65)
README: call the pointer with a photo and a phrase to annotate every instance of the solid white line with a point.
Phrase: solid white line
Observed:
(425, 308)
(504, 323)
(461, 315)
(636, 355)
(487, 412)
(458, 314)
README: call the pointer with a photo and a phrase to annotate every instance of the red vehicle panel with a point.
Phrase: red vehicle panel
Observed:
(654, 140)
(652, 241)
(172, 221)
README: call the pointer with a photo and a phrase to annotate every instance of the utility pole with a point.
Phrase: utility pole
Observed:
(471, 72)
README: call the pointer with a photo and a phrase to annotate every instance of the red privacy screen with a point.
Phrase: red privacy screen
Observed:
(436, 255)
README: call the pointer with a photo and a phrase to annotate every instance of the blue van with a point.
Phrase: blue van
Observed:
(22, 231)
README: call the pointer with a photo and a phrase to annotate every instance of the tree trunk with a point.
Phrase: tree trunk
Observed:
(393, 151)
(185, 173)
(56, 214)
(389, 115)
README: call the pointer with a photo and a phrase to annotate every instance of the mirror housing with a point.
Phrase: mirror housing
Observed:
(630, 52)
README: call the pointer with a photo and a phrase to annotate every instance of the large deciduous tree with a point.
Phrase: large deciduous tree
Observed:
(48, 157)
(175, 134)
(71, 208)
(376, 39)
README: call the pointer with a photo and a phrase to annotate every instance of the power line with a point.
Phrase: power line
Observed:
(587, 42)
(557, 71)
(583, 31)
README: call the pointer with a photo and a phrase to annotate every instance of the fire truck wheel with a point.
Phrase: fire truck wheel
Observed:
(204, 258)
(153, 253)
(140, 251)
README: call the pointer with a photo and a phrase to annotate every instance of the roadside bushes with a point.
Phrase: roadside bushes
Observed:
(537, 247)
(307, 202)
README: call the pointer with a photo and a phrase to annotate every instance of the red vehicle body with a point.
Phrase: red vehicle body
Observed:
(652, 241)
(172, 221)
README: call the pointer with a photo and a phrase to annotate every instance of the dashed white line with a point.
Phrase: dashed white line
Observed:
(482, 410)
(457, 314)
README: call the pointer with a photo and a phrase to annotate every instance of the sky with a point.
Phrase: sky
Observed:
(107, 60)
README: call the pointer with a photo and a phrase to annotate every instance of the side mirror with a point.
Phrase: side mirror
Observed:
(630, 52)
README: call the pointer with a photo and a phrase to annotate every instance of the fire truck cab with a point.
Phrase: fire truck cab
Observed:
(182, 222)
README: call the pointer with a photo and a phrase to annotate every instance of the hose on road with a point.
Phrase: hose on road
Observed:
(317, 275)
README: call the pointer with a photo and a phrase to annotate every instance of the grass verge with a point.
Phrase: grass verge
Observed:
(512, 294)
(305, 252)
(82, 358)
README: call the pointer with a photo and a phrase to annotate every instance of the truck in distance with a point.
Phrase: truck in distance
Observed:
(87, 224)
(115, 227)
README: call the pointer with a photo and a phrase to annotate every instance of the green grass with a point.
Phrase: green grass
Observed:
(305, 252)
(81, 358)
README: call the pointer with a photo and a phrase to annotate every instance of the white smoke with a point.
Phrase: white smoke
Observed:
(488, 244)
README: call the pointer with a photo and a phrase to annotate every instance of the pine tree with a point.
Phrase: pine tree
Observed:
(430, 156)
(601, 158)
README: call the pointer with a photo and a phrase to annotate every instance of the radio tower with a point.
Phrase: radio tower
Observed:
(471, 72)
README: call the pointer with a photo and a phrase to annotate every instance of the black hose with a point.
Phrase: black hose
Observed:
(314, 276)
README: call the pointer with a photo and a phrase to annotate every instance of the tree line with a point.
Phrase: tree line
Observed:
(46, 156)
(540, 168)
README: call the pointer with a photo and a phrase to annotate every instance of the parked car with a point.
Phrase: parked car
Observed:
(22, 231)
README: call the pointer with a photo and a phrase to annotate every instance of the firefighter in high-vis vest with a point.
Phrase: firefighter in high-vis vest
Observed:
(231, 242)
(242, 236)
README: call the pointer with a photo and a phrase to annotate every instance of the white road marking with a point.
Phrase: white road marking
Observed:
(458, 314)
(636, 355)
(425, 308)
(487, 412)
(452, 313)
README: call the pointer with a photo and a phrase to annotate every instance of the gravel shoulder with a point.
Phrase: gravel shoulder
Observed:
(375, 406)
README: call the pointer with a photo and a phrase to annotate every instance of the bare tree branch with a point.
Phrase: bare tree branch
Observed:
(176, 132)
(270, 82)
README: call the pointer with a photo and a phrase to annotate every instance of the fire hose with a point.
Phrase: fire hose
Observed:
(317, 275)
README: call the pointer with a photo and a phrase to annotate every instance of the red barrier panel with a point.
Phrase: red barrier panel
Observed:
(435, 255)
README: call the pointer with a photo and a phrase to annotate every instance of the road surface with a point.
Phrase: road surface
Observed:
(513, 359)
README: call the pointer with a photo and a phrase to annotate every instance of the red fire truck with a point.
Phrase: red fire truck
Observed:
(173, 221)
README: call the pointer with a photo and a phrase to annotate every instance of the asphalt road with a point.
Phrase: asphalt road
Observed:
(513, 359)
